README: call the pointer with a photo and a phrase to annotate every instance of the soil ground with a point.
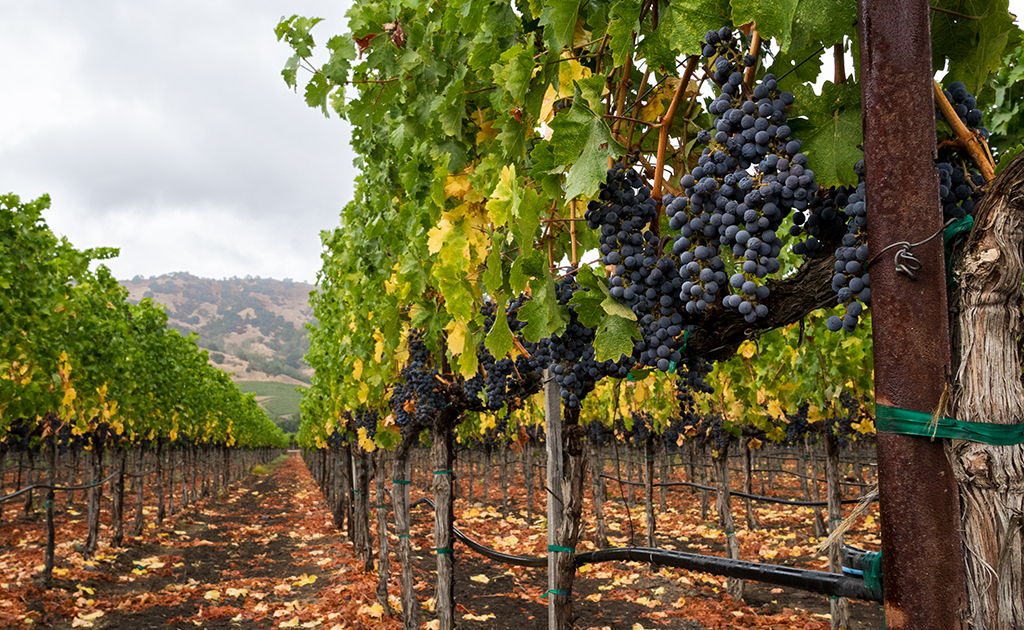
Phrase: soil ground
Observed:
(265, 554)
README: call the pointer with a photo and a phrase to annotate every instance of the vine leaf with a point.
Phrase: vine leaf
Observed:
(625, 16)
(831, 141)
(499, 339)
(974, 48)
(614, 338)
(559, 20)
(582, 138)
(774, 18)
(690, 20)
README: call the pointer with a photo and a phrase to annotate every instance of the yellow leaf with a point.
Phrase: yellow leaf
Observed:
(366, 443)
(437, 235)
(376, 611)
(458, 335)
(483, 579)
(212, 595)
(291, 623)
(472, 617)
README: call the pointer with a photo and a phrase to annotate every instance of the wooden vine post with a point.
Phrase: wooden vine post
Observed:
(558, 607)
(919, 507)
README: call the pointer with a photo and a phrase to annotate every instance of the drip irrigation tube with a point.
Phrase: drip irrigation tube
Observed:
(836, 584)
(745, 495)
(47, 486)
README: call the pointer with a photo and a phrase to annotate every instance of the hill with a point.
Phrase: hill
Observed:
(254, 328)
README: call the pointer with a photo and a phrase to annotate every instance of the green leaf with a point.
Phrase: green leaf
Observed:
(774, 18)
(690, 20)
(452, 108)
(343, 52)
(589, 311)
(974, 48)
(515, 71)
(317, 91)
(290, 69)
(559, 19)
(582, 138)
(625, 16)
(589, 280)
(524, 268)
(825, 22)
(499, 339)
(832, 133)
(525, 227)
(493, 278)
(614, 338)
(617, 308)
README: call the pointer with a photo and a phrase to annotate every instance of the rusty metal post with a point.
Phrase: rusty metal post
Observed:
(922, 553)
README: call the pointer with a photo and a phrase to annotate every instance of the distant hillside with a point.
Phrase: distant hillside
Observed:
(254, 327)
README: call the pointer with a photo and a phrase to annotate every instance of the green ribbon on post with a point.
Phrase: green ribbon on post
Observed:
(442, 472)
(561, 549)
(907, 422)
(444, 551)
(871, 564)
(557, 591)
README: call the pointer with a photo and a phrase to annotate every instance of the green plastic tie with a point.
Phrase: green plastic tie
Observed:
(561, 549)
(442, 472)
(403, 535)
(907, 422)
(951, 237)
(401, 482)
(441, 551)
(382, 506)
(732, 532)
(872, 567)
(557, 591)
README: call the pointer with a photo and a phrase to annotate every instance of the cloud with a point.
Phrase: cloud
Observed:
(164, 128)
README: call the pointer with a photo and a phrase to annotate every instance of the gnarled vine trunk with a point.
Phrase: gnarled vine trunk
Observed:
(989, 389)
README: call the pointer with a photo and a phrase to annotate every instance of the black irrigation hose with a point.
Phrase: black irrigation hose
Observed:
(46, 486)
(745, 495)
(487, 552)
(823, 582)
(834, 584)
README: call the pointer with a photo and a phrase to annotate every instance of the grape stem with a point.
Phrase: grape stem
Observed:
(755, 51)
(666, 122)
(967, 140)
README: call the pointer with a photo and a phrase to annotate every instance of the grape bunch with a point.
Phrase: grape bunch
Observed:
(596, 433)
(647, 281)
(965, 105)
(504, 381)
(416, 400)
(711, 433)
(365, 419)
(571, 355)
(824, 220)
(640, 432)
(797, 427)
(749, 177)
(960, 185)
(852, 282)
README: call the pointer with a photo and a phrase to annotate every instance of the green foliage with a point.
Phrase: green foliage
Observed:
(480, 129)
(73, 348)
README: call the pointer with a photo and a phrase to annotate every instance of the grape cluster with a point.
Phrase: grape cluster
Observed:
(749, 177)
(824, 220)
(797, 427)
(711, 433)
(639, 433)
(960, 185)
(965, 105)
(571, 354)
(645, 280)
(960, 188)
(852, 282)
(416, 400)
(596, 433)
(365, 419)
(504, 381)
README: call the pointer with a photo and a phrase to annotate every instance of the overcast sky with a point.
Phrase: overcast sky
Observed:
(164, 128)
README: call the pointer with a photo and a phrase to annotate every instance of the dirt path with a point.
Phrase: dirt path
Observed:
(264, 554)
